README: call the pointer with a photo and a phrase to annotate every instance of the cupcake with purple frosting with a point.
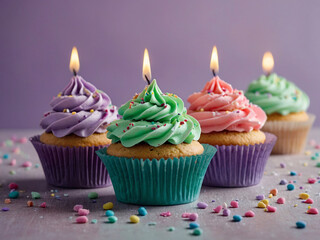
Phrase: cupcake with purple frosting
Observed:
(75, 129)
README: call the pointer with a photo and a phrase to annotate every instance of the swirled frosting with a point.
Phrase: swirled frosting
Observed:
(219, 107)
(79, 109)
(154, 118)
(274, 94)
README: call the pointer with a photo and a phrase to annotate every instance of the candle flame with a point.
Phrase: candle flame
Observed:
(267, 62)
(146, 68)
(214, 63)
(74, 65)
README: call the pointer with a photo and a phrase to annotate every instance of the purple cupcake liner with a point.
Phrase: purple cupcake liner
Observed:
(239, 166)
(72, 167)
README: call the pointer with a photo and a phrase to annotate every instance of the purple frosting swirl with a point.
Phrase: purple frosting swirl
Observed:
(79, 109)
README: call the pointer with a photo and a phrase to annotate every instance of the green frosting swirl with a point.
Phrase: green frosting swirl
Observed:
(154, 118)
(274, 94)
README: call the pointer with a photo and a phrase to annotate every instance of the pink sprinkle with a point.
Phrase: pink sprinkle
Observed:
(234, 204)
(13, 186)
(271, 209)
(16, 150)
(13, 162)
(83, 212)
(312, 142)
(13, 138)
(226, 212)
(217, 209)
(281, 200)
(27, 164)
(193, 217)
(43, 205)
(249, 214)
(290, 181)
(185, 215)
(317, 146)
(308, 201)
(312, 180)
(82, 219)
(313, 211)
(165, 214)
(77, 207)
(23, 140)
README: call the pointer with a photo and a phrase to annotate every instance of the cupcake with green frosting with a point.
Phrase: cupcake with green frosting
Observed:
(285, 105)
(155, 158)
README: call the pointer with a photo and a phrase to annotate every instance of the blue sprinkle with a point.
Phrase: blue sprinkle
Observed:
(290, 187)
(6, 156)
(301, 224)
(142, 211)
(292, 173)
(237, 218)
(94, 221)
(109, 213)
(194, 225)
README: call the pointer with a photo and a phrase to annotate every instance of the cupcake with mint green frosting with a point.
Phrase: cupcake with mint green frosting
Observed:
(286, 108)
(155, 158)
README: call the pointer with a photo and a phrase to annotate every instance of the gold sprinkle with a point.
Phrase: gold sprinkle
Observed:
(201, 109)
(73, 113)
(91, 110)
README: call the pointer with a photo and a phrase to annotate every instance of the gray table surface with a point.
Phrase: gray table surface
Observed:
(57, 221)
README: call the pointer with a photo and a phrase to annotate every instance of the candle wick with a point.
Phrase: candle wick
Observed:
(147, 79)
(214, 74)
(74, 72)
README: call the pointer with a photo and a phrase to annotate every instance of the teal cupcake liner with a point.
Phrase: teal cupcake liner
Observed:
(157, 182)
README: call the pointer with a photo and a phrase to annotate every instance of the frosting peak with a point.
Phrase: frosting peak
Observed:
(219, 107)
(218, 86)
(79, 109)
(154, 118)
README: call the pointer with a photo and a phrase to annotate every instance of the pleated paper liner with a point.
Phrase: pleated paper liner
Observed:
(157, 182)
(292, 136)
(72, 167)
(239, 166)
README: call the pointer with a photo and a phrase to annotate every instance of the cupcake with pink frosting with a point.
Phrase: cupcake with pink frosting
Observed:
(232, 124)
(74, 129)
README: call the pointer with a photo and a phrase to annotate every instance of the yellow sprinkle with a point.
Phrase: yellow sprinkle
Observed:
(152, 93)
(91, 110)
(304, 195)
(261, 205)
(305, 164)
(270, 195)
(52, 194)
(201, 110)
(308, 153)
(266, 210)
(108, 206)
(70, 96)
(266, 202)
(295, 205)
(59, 95)
(73, 113)
(134, 219)
(309, 207)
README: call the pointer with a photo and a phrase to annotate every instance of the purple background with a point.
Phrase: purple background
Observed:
(37, 38)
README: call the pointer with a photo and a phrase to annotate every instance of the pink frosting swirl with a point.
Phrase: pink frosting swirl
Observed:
(219, 107)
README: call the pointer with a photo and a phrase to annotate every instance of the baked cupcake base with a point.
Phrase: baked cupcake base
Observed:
(292, 135)
(233, 138)
(157, 181)
(72, 167)
(239, 166)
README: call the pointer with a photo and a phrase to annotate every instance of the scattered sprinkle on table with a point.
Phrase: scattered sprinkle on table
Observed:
(304, 196)
(93, 195)
(260, 197)
(5, 209)
(237, 218)
(134, 219)
(171, 229)
(77, 207)
(197, 232)
(226, 212)
(281, 200)
(107, 206)
(113, 219)
(82, 219)
(301, 224)
(193, 225)
(35, 195)
(94, 221)
(193, 216)
(14, 194)
(142, 211)
(83, 212)
(202, 205)
(290, 187)
(234, 204)
(249, 214)
(165, 214)
(217, 209)
(109, 213)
